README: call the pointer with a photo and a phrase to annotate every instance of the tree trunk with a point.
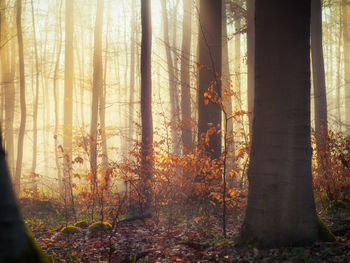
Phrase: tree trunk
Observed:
(22, 97)
(227, 97)
(171, 72)
(132, 75)
(346, 50)
(68, 100)
(209, 110)
(55, 93)
(35, 112)
(96, 87)
(146, 103)
(251, 58)
(318, 67)
(8, 62)
(281, 208)
(186, 127)
(16, 245)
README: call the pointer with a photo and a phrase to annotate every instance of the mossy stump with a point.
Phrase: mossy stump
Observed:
(324, 234)
(68, 230)
(100, 226)
(82, 224)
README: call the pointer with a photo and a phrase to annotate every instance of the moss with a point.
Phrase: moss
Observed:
(324, 233)
(100, 226)
(31, 254)
(71, 230)
(82, 224)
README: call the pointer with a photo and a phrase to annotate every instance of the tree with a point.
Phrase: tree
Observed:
(318, 67)
(96, 90)
(8, 64)
(146, 102)
(68, 99)
(281, 208)
(250, 58)
(209, 111)
(346, 48)
(16, 243)
(22, 97)
(186, 129)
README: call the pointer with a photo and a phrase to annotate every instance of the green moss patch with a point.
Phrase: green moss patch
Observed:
(71, 230)
(324, 233)
(100, 226)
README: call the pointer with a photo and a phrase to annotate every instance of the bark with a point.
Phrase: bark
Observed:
(281, 208)
(96, 88)
(227, 98)
(132, 74)
(171, 72)
(55, 77)
(7, 58)
(186, 127)
(346, 50)
(146, 103)
(22, 97)
(35, 111)
(251, 58)
(318, 68)
(210, 38)
(68, 100)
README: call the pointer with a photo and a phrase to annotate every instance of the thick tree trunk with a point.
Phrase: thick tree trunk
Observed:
(186, 127)
(22, 98)
(251, 58)
(146, 103)
(8, 62)
(281, 208)
(210, 37)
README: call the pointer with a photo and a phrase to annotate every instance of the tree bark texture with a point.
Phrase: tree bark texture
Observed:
(281, 208)
(146, 102)
(210, 38)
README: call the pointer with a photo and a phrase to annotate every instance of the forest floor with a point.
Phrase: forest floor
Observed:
(196, 239)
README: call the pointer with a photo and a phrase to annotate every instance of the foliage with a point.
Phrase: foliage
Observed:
(331, 173)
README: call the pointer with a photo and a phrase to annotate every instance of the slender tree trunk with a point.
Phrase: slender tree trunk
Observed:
(146, 103)
(68, 101)
(339, 61)
(171, 72)
(55, 93)
(210, 38)
(96, 90)
(346, 50)
(281, 208)
(132, 74)
(227, 97)
(318, 67)
(22, 97)
(251, 58)
(35, 112)
(186, 126)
